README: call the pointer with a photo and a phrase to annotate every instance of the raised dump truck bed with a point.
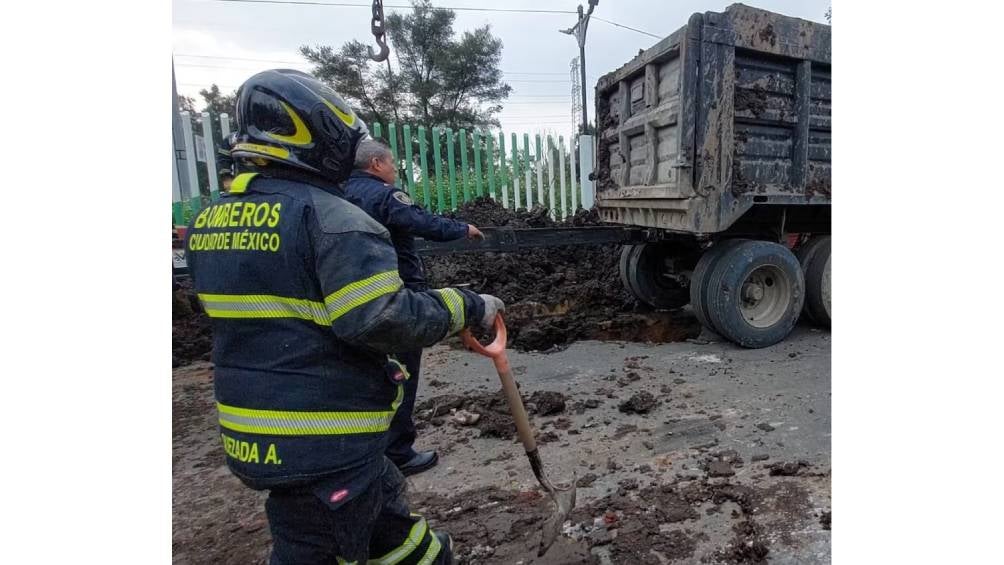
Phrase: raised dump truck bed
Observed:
(730, 112)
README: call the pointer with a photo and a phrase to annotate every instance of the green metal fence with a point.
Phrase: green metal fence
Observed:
(456, 166)
(441, 168)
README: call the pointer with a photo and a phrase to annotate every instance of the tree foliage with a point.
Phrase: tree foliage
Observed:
(439, 78)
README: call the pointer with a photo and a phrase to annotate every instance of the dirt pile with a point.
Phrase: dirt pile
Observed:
(555, 295)
(490, 411)
(191, 336)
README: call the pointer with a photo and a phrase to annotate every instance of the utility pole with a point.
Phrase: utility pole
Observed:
(579, 31)
(573, 73)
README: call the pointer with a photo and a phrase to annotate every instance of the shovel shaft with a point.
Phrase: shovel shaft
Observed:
(515, 401)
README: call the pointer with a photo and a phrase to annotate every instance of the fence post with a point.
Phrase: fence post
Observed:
(515, 174)
(464, 175)
(540, 172)
(476, 141)
(424, 162)
(491, 166)
(377, 130)
(225, 125)
(451, 167)
(392, 133)
(195, 198)
(528, 185)
(504, 181)
(586, 166)
(561, 164)
(440, 197)
(571, 174)
(178, 207)
(210, 147)
(408, 158)
(550, 179)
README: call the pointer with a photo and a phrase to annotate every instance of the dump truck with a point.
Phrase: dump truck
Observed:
(713, 171)
(717, 139)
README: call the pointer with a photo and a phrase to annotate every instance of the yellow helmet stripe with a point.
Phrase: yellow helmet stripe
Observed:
(348, 119)
(301, 135)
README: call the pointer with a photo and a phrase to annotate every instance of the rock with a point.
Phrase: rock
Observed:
(628, 484)
(720, 469)
(640, 403)
(464, 418)
(648, 444)
(787, 469)
(760, 457)
(765, 427)
(547, 437)
(546, 402)
(586, 480)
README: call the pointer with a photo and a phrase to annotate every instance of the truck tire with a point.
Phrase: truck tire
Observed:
(699, 279)
(755, 293)
(805, 253)
(817, 285)
(644, 273)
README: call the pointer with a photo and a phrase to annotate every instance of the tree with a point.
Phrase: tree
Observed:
(218, 103)
(829, 15)
(186, 104)
(439, 79)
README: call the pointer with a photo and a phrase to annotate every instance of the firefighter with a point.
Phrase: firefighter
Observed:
(371, 187)
(306, 302)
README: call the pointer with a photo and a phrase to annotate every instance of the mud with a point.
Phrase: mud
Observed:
(494, 418)
(191, 335)
(670, 501)
(555, 296)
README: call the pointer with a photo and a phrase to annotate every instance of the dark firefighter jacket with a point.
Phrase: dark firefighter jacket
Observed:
(393, 208)
(305, 299)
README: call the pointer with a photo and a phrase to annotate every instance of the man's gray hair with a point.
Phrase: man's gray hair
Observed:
(368, 150)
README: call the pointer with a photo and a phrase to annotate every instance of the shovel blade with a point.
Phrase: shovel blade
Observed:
(564, 501)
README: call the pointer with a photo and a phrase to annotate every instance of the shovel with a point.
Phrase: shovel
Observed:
(564, 498)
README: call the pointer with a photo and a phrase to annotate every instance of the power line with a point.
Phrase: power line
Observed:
(236, 58)
(348, 5)
(230, 67)
(625, 27)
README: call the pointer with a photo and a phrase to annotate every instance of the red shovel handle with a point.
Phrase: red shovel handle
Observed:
(494, 349)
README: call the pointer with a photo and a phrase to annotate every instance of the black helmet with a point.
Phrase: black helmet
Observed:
(289, 117)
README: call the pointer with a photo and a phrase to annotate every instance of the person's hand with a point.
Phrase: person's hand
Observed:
(493, 306)
(474, 233)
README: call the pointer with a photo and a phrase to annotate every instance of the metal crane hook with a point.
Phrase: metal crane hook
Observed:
(379, 32)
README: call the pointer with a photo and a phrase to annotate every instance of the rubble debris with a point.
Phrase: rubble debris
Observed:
(546, 403)
(464, 418)
(640, 403)
(555, 295)
(720, 469)
(191, 334)
(824, 519)
(787, 469)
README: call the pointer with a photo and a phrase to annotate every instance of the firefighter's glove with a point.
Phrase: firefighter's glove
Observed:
(493, 307)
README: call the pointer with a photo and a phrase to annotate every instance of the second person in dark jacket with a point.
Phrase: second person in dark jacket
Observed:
(371, 187)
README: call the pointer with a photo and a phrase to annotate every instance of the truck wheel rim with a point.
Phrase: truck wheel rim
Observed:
(765, 296)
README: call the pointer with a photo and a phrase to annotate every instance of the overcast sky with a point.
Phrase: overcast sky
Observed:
(213, 42)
